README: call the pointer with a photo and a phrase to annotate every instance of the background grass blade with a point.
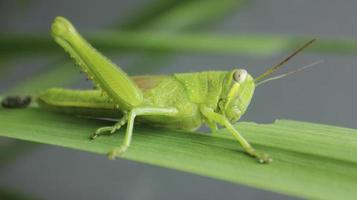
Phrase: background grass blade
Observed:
(307, 157)
(256, 45)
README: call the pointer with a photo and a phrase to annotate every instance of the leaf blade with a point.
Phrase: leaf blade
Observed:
(214, 156)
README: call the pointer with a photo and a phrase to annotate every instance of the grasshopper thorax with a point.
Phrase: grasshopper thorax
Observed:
(236, 95)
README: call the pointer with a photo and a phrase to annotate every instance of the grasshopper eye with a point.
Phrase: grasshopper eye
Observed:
(240, 75)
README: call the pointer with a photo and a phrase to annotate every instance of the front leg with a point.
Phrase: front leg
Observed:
(220, 119)
(129, 130)
(212, 125)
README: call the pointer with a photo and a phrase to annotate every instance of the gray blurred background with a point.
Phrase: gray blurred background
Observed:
(324, 94)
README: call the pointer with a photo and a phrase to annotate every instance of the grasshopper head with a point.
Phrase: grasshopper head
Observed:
(237, 93)
(238, 88)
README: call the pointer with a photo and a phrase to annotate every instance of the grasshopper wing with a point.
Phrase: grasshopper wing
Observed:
(148, 82)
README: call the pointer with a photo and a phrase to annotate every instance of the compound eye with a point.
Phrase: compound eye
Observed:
(240, 75)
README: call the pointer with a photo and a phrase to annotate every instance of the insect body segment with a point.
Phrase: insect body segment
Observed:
(202, 87)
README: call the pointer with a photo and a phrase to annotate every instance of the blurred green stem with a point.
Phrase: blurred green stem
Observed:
(183, 42)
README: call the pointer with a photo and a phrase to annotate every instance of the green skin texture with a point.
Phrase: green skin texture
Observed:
(181, 101)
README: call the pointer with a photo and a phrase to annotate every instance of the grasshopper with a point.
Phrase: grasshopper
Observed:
(179, 101)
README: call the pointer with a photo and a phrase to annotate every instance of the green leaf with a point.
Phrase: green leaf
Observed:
(310, 160)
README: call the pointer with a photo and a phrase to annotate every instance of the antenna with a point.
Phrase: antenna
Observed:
(279, 65)
(289, 73)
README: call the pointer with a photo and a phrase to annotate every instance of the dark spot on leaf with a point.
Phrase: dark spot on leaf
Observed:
(16, 101)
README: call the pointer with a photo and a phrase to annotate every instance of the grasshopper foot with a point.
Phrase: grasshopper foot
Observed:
(261, 156)
(107, 130)
(101, 131)
(117, 152)
(110, 129)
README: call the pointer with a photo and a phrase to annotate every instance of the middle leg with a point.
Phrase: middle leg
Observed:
(110, 129)
(129, 130)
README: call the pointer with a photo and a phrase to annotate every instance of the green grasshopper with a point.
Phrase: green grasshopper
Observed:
(180, 101)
